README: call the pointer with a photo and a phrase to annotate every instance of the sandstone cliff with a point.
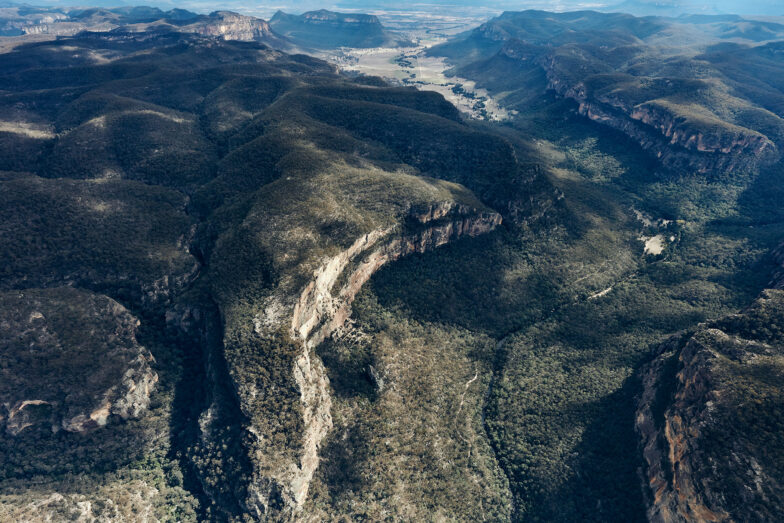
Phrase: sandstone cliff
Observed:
(709, 420)
(684, 137)
(328, 30)
(227, 25)
(281, 480)
(232, 26)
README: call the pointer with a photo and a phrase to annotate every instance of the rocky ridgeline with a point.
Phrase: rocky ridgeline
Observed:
(668, 136)
(324, 29)
(331, 18)
(707, 416)
(322, 308)
(223, 24)
(232, 26)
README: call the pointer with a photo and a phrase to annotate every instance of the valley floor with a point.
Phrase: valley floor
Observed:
(547, 327)
(411, 66)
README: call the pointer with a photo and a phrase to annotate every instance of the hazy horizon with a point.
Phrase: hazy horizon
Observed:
(636, 7)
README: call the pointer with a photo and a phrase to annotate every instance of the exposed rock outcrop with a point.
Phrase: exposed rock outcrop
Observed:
(692, 113)
(222, 430)
(331, 18)
(321, 309)
(227, 25)
(121, 500)
(675, 141)
(232, 26)
(58, 379)
(706, 417)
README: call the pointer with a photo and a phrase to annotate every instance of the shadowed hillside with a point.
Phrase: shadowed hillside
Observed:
(238, 285)
(233, 200)
(328, 30)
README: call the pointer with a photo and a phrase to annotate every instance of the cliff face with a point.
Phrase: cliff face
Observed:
(232, 26)
(54, 380)
(331, 18)
(321, 309)
(235, 284)
(673, 139)
(707, 420)
(684, 150)
(221, 24)
(694, 114)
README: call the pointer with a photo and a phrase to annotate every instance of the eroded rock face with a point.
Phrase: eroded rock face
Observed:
(658, 132)
(72, 361)
(232, 26)
(322, 308)
(703, 397)
(665, 135)
(223, 24)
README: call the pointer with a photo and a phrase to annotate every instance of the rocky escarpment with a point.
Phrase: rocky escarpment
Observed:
(684, 111)
(215, 450)
(280, 484)
(227, 25)
(677, 141)
(54, 378)
(328, 17)
(708, 420)
(232, 26)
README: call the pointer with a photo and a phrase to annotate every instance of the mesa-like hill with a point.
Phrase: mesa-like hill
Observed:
(205, 211)
(674, 86)
(328, 30)
(35, 24)
(312, 31)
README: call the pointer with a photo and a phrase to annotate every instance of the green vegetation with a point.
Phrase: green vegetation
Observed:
(329, 30)
(708, 114)
(203, 183)
(114, 235)
(748, 420)
(578, 309)
(286, 167)
(122, 469)
(408, 441)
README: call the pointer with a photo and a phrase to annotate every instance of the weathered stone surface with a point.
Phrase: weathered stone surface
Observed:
(666, 135)
(232, 26)
(71, 361)
(698, 387)
(321, 309)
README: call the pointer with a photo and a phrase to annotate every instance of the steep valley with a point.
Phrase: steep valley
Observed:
(244, 285)
(235, 211)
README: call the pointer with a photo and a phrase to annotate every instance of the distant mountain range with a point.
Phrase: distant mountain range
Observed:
(318, 30)
(684, 88)
(239, 285)
(636, 7)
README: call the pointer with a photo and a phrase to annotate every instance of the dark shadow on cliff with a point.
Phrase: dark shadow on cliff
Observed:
(763, 201)
(215, 464)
